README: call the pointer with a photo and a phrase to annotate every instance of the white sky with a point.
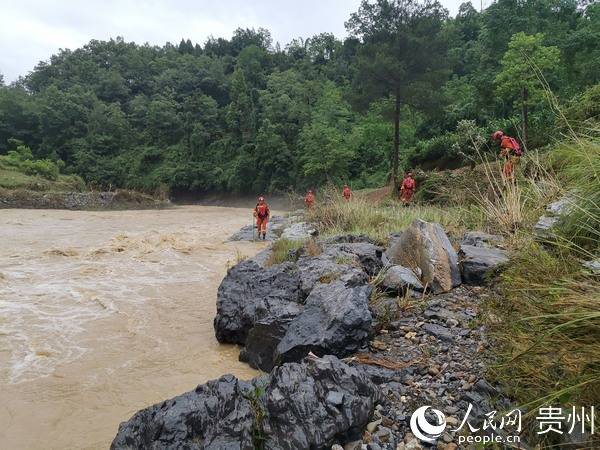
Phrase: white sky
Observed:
(32, 30)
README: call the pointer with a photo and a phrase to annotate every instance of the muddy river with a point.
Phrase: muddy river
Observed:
(103, 313)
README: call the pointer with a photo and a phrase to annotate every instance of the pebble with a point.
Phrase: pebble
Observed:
(433, 371)
(373, 425)
(452, 421)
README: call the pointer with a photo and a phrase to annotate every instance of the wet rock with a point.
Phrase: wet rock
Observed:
(335, 320)
(298, 231)
(249, 293)
(477, 262)
(481, 239)
(398, 279)
(426, 246)
(222, 414)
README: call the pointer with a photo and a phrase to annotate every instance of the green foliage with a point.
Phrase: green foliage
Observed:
(241, 114)
(525, 61)
(21, 159)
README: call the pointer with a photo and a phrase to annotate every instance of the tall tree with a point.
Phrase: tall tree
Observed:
(523, 65)
(402, 56)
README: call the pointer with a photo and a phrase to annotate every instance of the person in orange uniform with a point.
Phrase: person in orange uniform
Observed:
(347, 193)
(262, 213)
(408, 188)
(510, 150)
(309, 200)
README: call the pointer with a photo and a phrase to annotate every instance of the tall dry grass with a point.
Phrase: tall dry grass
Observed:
(332, 215)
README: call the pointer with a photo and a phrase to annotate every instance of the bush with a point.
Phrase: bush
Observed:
(42, 167)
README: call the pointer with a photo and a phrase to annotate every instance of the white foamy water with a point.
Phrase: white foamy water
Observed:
(102, 313)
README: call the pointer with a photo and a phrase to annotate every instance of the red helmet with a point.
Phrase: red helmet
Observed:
(497, 135)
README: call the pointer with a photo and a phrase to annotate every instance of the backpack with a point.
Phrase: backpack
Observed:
(517, 150)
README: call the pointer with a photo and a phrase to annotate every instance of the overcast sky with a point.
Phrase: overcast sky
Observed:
(32, 30)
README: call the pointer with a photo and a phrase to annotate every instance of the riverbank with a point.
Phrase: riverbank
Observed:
(89, 200)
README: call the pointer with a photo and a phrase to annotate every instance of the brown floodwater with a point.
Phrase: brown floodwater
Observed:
(104, 313)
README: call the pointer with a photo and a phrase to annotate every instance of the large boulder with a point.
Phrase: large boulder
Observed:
(425, 246)
(477, 262)
(298, 406)
(313, 404)
(250, 293)
(336, 320)
(216, 415)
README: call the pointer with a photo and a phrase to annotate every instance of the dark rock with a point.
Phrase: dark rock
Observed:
(399, 279)
(262, 341)
(377, 374)
(481, 239)
(250, 293)
(349, 239)
(325, 268)
(477, 262)
(367, 255)
(438, 331)
(299, 415)
(426, 246)
(215, 415)
(335, 320)
(293, 401)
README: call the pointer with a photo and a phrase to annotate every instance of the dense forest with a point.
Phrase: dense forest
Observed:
(408, 87)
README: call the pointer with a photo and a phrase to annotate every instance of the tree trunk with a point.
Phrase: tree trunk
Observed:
(396, 150)
(525, 118)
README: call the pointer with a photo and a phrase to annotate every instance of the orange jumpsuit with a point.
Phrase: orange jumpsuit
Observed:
(347, 193)
(309, 200)
(510, 159)
(262, 212)
(407, 190)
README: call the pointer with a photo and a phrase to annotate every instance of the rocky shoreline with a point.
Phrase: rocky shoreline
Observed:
(354, 336)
